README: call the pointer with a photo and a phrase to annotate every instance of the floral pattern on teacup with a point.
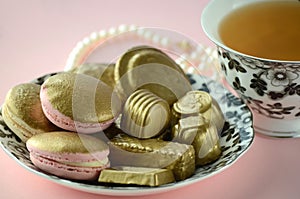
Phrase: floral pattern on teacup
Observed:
(263, 84)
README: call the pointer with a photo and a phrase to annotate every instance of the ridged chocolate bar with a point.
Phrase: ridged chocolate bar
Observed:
(153, 153)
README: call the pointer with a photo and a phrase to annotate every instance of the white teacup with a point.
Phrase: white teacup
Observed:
(270, 88)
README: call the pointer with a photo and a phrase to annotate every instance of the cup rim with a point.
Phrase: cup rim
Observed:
(220, 44)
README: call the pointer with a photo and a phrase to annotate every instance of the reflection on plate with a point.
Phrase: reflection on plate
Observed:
(235, 139)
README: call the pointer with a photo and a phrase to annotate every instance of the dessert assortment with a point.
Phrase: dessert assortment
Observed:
(136, 122)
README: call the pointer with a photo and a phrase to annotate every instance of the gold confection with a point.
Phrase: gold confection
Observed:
(22, 111)
(101, 71)
(145, 115)
(137, 176)
(198, 102)
(66, 142)
(82, 98)
(193, 102)
(144, 67)
(196, 130)
(215, 115)
(130, 151)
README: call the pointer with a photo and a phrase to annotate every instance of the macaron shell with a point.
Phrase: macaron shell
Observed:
(67, 171)
(68, 154)
(69, 98)
(62, 142)
(22, 111)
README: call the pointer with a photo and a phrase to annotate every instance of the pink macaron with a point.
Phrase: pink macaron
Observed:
(69, 155)
(79, 103)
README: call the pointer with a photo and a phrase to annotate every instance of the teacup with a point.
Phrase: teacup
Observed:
(270, 88)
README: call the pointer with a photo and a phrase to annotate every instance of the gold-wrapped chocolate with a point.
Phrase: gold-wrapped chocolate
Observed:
(101, 71)
(198, 102)
(145, 67)
(196, 130)
(193, 102)
(145, 115)
(137, 176)
(154, 153)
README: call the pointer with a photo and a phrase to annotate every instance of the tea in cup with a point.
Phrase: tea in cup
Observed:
(258, 46)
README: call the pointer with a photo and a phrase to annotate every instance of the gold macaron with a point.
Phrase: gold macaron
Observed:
(22, 111)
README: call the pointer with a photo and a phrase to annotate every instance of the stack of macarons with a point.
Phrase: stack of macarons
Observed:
(54, 119)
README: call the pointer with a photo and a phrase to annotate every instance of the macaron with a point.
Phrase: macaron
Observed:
(79, 103)
(69, 155)
(22, 111)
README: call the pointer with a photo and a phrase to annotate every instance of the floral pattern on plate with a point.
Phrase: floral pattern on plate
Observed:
(235, 139)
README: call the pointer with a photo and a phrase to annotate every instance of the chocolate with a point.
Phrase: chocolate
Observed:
(196, 130)
(130, 151)
(137, 176)
(198, 102)
(193, 102)
(145, 115)
(144, 67)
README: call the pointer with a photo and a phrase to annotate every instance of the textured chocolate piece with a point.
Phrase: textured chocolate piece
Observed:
(193, 102)
(145, 115)
(137, 176)
(130, 151)
(198, 102)
(197, 131)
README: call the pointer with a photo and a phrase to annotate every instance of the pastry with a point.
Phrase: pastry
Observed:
(69, 155)
(150, 68)
(78, 102)
(22, 111)
(144, 115)
(137, 176)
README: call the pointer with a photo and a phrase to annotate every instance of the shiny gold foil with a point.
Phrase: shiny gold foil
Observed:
(196, 130)
(144, 67)
(137, 176)
(22, 111)
(144, 115)
(101, 71)
(130, 151)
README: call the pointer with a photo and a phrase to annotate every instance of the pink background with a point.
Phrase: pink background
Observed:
(36, 37)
